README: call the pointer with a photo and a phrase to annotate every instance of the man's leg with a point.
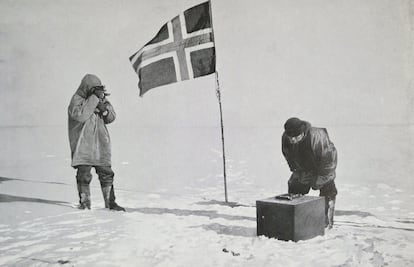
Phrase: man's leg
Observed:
(83, 179)
(329, 191)
(106, 178)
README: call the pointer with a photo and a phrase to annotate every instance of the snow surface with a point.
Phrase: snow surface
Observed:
(173, 221)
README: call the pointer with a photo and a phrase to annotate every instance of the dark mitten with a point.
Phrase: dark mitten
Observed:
(99, 91)
(307, 177)
(101, 107)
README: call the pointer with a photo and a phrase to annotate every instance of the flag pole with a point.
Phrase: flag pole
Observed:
(218, 94)
(222, 135)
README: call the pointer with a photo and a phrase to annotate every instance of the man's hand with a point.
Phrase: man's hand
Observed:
(99, 91)
(322, 180)
(101, 107)
(307, 178)
(302, 177)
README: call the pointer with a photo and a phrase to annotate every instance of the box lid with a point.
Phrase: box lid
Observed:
(294, 201)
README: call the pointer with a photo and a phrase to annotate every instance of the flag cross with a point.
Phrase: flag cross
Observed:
(179, 45)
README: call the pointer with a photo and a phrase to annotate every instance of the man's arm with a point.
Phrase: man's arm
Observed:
(110, 115)
(286, 152)
(80, 109)
(326, 158)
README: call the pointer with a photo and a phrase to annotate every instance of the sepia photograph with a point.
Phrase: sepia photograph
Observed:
(207, 133)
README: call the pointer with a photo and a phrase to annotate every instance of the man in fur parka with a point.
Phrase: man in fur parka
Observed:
(89, 111)
(312, 158)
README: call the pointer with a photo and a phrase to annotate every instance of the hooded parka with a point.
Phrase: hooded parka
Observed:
(89, 139)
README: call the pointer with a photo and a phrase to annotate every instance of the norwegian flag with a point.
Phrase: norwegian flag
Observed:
(182, 49)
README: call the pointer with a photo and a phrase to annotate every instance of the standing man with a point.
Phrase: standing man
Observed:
(312, 158)
(89, 111)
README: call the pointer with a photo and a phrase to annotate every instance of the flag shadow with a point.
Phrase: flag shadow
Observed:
(363, 214)
(222, 203)
(211, 214)
(232, 230)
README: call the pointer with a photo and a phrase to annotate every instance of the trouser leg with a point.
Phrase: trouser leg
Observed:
(330, 213)
(329, 191)
(106, 178)
(112, 195)
(83, 179)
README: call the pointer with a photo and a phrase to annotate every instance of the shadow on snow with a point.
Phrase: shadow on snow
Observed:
(4, 179)
(211, 214)
(222, 203)
(229, 229)
(10, 198)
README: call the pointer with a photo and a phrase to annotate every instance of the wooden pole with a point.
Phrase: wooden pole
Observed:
(222, 136)
(218, 93)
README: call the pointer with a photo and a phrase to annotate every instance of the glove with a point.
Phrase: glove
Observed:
(322, 180)
(101, 107)
(303, 177)
(307, 178)
(99, 91)
(294, 178)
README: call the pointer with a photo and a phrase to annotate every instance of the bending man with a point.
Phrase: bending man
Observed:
(312, 158)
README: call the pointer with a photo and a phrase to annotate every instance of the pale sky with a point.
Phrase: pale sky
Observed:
(331, 62)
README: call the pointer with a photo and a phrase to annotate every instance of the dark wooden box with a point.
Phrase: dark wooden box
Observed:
(297, 219)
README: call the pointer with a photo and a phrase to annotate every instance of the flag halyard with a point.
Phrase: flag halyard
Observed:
(182, 49)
